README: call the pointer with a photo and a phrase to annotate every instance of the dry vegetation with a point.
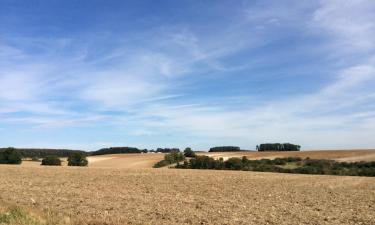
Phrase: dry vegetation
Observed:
(135, 161)
(339, 155)
(124, 189)
(171, 196)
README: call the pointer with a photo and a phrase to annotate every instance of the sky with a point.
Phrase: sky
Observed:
(90, 74)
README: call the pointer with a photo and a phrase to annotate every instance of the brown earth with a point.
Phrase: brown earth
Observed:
(172, 196)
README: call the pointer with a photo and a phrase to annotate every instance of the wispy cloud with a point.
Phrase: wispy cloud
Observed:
(190, 83)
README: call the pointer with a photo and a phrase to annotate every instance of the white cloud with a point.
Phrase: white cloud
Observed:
(351, 23)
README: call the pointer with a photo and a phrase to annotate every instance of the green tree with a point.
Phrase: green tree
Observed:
(77, 159)
(51, 161)
(10, 156)
(189, 153)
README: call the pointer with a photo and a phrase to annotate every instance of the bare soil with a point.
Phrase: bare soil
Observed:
(172, 196)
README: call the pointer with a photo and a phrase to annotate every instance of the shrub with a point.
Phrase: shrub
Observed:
(77, 159)
(189, 153)
(233, 163)
(174, 157)
(51, 161)
(170, 158)
(161, 163)
(284, 165)
(10, 156)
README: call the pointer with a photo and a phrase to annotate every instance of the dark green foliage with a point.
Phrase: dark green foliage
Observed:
(174, 157)
(283, 165)
(51, 161)
(117, 150)
(278, 147)
(167, 150)
(170, 158)
(41, 153)
(161, 163)
(10, 156)
(77, 159)
(225, 149)
(189, 153)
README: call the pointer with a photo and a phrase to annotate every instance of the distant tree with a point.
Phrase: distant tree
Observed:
(225, 149)
(117, 150)
(41, 153)
(10, 156)
(167, 150)
(189, 153)
(278, 147)
(51, 161)
(77, 159)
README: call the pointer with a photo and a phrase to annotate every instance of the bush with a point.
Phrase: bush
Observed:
(51, 161)
(174, 157)
(161, 163)
(189, 153)
(10, 156)
(77, 159)
(283, 165)
(170, 158)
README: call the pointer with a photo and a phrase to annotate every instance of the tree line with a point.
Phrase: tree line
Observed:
(225, 149)
(41, 153)
(278, 147)
(282, 165)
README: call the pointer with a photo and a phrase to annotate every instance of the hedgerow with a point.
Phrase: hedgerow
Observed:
(283, 165)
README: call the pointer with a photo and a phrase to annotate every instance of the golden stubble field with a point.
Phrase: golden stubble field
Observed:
(171, 196)
(338, 155)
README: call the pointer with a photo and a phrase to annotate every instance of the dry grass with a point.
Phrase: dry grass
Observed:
(170, 196)
(135, 161)
(339, 155)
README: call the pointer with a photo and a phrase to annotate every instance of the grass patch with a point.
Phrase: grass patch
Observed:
(16, 216)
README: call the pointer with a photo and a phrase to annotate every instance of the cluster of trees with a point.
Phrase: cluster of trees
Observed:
(10, 156)
(41, 153)
(225, 149)
(74, 159)
(167, 150)
(117, 150)
(51, 161)
(170, 158)
(125, 150)
(283, 165)
(77, 159)
(188, 152)
(278, 147)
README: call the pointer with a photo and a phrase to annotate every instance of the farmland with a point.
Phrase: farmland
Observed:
(159, 196)
(124, 189)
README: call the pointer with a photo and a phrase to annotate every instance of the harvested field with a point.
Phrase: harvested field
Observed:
(171, 196)
(339, 155)
(135, 161)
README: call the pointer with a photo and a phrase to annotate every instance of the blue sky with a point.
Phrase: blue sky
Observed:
(92, 74)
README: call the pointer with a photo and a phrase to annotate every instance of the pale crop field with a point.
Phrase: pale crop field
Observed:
(172, 196)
